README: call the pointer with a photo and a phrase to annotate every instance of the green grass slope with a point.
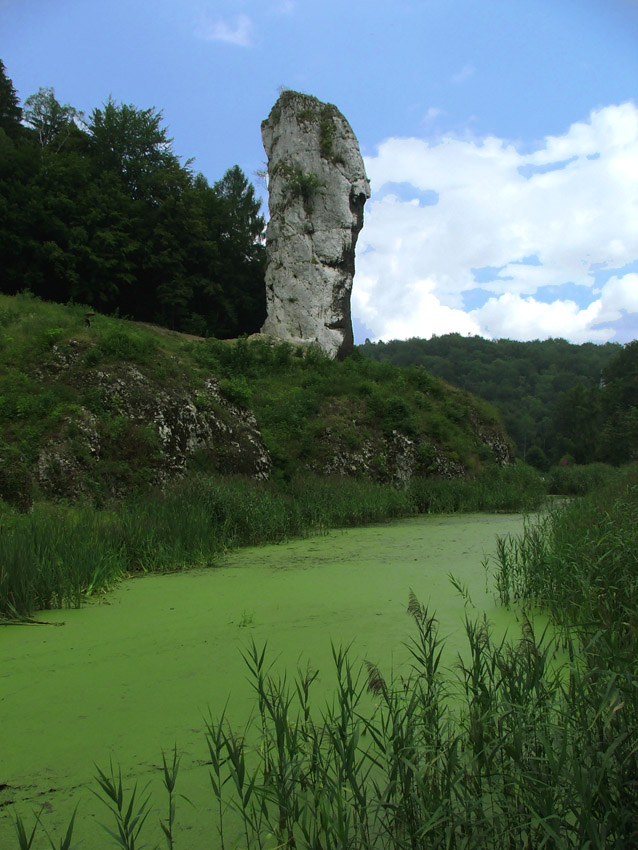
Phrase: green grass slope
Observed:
(61, 379)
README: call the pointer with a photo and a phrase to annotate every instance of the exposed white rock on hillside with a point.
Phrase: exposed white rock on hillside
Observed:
(317, 191)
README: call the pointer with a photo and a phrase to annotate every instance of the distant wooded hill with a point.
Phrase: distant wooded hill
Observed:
(555, 398)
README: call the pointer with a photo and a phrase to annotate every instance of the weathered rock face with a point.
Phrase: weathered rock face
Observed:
(143, 424)
(317, 191)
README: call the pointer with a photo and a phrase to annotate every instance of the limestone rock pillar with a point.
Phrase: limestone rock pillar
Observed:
(317, 190)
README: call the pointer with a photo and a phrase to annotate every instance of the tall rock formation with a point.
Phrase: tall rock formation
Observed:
(317, 190)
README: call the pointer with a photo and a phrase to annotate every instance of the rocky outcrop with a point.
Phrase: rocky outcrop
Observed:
(115, 422)
(317, 190)
(144, 428)
(393, 459)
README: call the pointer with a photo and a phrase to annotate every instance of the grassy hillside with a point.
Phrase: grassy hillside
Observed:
(84, 410)
(545, 390)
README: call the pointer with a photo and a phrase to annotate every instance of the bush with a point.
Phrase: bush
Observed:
(236, 390)
(120, 344)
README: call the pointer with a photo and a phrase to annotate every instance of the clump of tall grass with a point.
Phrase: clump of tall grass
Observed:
(577, 480)
(512, 749)
(581, 562)
(57, 555)
(343, 501)
(510, 488)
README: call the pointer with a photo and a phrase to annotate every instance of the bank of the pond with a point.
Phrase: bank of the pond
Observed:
(58, 554)
(137, 671)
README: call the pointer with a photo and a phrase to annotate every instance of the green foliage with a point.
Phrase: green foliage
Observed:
(53, 122)
(10, 112)
(511, 488)
(119, 344)
(103, 213)
(299, 184)
(581, 565)
(132, 144)
(16, 483)
(547, 393)
(236, 390)
(128, 814)
(326, 131)
(570, 479)
(619, 402)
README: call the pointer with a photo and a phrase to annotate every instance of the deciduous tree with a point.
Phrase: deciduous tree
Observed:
(52, 121)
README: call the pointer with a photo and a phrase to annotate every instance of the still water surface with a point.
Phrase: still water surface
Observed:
(135, 673)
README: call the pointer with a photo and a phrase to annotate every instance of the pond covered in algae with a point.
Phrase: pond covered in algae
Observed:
(130, 676)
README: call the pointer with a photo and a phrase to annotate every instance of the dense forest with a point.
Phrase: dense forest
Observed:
(558, 401)
(100, 211)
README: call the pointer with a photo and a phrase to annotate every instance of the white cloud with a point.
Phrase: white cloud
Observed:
(618, 294)
(432, 114)
(498, 208)
(284, 7)
(239, 34)
(464, 74)
(526, 318)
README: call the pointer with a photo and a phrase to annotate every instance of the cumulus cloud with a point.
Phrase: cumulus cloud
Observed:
(239, 33)
(507, 222)
(526, 318)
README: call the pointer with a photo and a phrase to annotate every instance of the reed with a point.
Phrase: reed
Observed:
(516, 488)
(581, 561)
(514, 751)
(509, 749)
(578, 480)
(57, 555)
(128, 812)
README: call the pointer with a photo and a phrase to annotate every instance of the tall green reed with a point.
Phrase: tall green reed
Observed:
(512, 748)
(57, 555)
(515, 488)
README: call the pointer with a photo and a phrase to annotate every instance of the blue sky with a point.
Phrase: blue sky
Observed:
(500, 136)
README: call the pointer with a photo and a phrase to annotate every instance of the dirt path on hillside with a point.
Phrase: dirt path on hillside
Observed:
(168, 332)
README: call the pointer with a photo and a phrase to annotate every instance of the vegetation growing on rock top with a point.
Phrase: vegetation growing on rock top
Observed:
(309, 109)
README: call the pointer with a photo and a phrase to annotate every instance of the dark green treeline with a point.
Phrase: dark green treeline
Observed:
(100, 211)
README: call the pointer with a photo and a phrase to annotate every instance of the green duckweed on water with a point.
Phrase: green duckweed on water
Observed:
(139, 671)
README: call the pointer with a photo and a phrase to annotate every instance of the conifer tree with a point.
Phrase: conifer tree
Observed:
(10, 112)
